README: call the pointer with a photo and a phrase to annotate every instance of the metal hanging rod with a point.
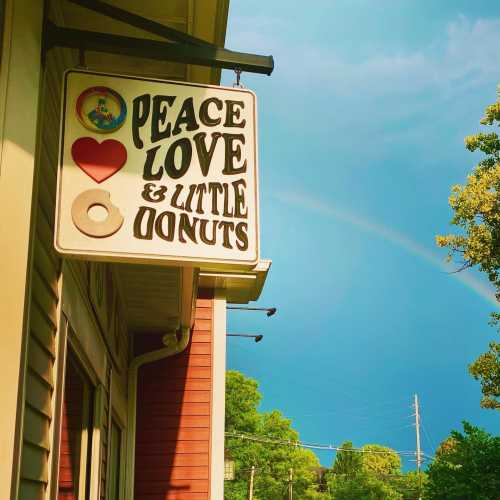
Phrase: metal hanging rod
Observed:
(185, 49)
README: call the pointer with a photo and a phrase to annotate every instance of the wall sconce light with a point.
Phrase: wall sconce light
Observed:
(257, 338)
(270, 311)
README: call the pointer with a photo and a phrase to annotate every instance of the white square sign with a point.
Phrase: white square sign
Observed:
(157, 171)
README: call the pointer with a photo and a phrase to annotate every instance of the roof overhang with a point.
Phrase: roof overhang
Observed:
(239, 287)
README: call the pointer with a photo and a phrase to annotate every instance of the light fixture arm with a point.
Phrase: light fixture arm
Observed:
(257, 337)
(270, 310)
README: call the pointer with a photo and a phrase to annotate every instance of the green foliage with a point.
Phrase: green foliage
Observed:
(467, 466)
(477, 211)
(408, 485)
(272, 462)
(375, 475)
(476, 207)
(362, 486)
(242, 401)
(446, 446)
(486, 369)
(347, 462)
(383, 461)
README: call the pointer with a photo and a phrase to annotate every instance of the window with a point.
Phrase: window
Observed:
(115, 461)
(76, 434)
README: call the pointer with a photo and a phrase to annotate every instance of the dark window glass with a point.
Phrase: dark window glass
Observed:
(115, 461)
(76, 433)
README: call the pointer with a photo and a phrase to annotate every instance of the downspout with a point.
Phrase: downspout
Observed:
(173, 345)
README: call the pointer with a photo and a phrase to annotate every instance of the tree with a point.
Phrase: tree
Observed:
(467, 466)
(382, 460)
(363, 486)
(486, 369)
(476, 207)
(347, 462)
(242, 401)
(446, 446)
(364, 473)
(272, 462)
(409, 485)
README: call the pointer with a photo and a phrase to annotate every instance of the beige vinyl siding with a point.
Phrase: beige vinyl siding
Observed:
(43, 308)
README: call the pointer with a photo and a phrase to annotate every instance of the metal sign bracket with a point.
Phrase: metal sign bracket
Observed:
(181, 47)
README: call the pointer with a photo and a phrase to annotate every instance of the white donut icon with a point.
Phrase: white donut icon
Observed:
(94, 228)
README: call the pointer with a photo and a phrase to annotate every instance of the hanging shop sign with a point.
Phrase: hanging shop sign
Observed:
(153, 170)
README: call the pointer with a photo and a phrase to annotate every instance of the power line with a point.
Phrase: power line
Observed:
(427, 435)
(312, 446)
(329, 470)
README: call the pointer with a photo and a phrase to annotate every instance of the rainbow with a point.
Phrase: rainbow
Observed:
(399, 239)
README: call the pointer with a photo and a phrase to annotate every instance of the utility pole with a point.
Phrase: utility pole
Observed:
(290, 484)
(250, 489)
(419, 453)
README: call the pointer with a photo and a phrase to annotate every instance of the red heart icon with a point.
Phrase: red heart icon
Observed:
(99, 161)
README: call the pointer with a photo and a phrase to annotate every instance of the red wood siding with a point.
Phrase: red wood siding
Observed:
(72, 415)
(174, 406)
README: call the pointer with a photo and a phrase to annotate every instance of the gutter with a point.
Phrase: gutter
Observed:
(173, 345)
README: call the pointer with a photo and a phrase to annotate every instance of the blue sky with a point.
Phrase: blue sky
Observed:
(361, 137)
